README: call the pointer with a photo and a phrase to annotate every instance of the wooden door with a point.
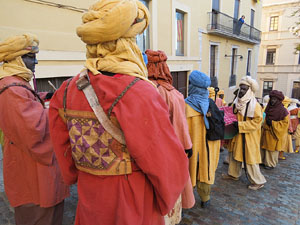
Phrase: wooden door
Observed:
(180, 82)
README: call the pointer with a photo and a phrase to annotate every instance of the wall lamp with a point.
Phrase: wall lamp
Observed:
(241, 57)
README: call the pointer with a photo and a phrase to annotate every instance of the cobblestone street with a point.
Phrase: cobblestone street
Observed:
(231, 203)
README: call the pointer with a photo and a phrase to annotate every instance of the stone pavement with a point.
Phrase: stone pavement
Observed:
(231, 203)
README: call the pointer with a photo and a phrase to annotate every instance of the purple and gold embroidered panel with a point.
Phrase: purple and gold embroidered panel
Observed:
(91, 145)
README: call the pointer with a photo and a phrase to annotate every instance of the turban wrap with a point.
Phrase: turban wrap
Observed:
(198, 93)
(293, 105)
(266, 99)
(158, 69)
(276, 112)
(247, 80)
(11, 51)
(248, 98)
(212, 92)
(277, 94)
(109, 29)
(294, 101)
(286, 101)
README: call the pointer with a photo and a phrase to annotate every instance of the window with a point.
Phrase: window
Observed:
(215, 12)
(216, 5)
(143, 40)
(271, 56)
(268, 86)
(43, 85)
(299, 58)
(296, 90)
(236, 9)
(249, 63)
(180, 82)
(232, 79)
(213, 65)
(180, 33)
(252, 18)
(274, 23)
(252, 23)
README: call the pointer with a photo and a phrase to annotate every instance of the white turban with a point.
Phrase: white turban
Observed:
(247, 80)
(249, 96)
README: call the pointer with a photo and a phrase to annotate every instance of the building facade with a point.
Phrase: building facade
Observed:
(196, 35)
(230, 48)
(279, 63)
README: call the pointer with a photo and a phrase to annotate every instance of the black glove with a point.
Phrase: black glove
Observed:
(236, 125)
(269, 122)
(49, 95)
(189, 152)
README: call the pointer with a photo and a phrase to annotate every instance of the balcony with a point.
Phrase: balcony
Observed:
(226, 26)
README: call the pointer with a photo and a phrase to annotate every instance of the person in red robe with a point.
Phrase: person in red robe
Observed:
(159, 74)
(133, 183)
(32, 180)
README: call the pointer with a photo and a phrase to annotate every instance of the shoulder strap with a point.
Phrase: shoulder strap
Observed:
(65, 95)
(121, 95)
(83, 83)
(24, 86)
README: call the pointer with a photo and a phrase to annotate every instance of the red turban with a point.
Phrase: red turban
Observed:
(158, 69)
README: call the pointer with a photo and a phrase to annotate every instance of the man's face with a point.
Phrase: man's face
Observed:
(30, 60)
(221, 96)
(243, 89)
(273, 100)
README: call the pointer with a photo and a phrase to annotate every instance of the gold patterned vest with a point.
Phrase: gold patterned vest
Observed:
(94, 150)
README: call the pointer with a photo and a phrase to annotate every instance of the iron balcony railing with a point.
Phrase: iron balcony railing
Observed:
(224, 25)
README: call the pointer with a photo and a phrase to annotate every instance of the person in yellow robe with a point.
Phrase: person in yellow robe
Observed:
(217, 99)
(245, 146)
(206, 160)
(221, 96)
(275, 129)
(289, 143)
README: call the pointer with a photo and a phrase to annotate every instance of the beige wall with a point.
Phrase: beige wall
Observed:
(286, 69)
(55, 27)
(62, 53)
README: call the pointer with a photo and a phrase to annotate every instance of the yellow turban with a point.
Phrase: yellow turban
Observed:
(286, 101)
(221, 92)
(109, 20)
(211, 92)
(11, 51)
(16, 46)
(109, 29)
